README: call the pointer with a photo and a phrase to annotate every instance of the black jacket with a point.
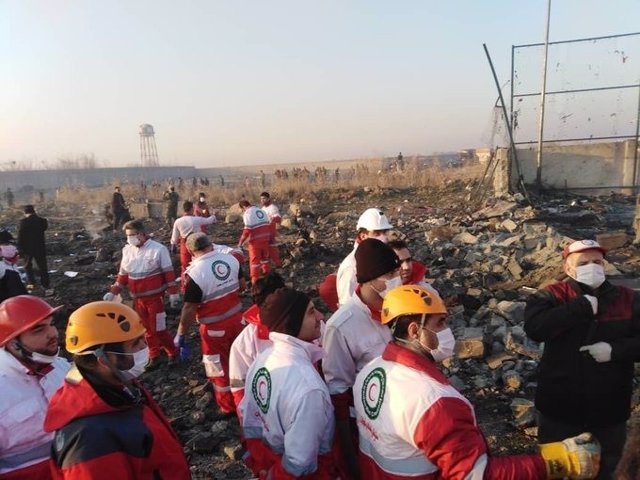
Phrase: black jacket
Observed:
(31, 235)
(10, 284)
(572, 387)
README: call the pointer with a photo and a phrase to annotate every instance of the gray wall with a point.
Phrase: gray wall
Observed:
(51, 179)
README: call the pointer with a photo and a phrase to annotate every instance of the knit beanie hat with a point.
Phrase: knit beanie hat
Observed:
(373, 259)
(283, 311)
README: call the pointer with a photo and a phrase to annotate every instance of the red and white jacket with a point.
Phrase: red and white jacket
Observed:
(287, 420)
(353, 337)
(256, 225)
(273, 213)
(217, 276)
(187, 224)
(24, 445)
(346, 282)
(146, 270)
(251, 342)
(414, 425)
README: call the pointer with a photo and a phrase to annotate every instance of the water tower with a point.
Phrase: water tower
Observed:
(148, 152)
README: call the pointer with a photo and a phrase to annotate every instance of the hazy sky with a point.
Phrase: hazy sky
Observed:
(231, 82)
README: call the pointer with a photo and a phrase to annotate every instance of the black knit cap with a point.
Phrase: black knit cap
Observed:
(283, 311)
(373, 259)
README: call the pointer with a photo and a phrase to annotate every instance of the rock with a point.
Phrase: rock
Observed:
(104, 254)
(465, 238)
(613, 240)
(523, 411)
(204, 401)
(509, 225)
(197, 418)
(287, 223)
(204, 442)
(512, 311)
(457, 383)
(470, 344)
(512, 380)
(495, 361)
(232, 218)
(234, 452)
(515, 269)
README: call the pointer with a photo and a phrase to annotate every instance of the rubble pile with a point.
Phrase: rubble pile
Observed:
(485, 260)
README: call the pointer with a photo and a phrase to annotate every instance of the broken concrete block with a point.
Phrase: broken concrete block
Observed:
(465, 238)
(513, 311)
(509, 225)
(515, 269)
(523, 411)
(232, 218)
(613, 240)
(495, 361)
(470, 344)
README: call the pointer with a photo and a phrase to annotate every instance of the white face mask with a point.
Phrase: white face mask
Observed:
(133, 240)
(590, 274)
(202, 199)
(140, 360)
(390, 285)
(42, 358)
(446, 345)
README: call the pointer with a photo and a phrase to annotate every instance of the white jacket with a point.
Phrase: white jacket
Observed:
(272, 212)
(346, 282)
(352, 339)
(288, 406)
(187, 224)
(23, 406)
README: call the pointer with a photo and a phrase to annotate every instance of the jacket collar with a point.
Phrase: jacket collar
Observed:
(375, 315)
(296, 347)
(395, 353)
(10, 363)
(252, 315)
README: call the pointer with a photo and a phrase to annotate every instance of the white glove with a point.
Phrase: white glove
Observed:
(174, 300)
(601, 351)
(594, 303)
(108, 297)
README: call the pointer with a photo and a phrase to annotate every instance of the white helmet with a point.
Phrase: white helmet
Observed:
(373, 219)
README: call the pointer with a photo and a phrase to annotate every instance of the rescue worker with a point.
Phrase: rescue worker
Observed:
(171, 199)
(355, 336)
(32, 246)
(287, 420)
(412, 271)
(147, 272)
(212, 297)
(107, 426)
(257, 232)
(201, 209)
(414, 424)
(182, 227)
(30, 373)
(591, 334)
(254, 338)
(118, 208)
(373, 223)
(273, 212)
(10, 282)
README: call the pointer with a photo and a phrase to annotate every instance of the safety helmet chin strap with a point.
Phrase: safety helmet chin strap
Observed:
(126, 380)
(415, 343)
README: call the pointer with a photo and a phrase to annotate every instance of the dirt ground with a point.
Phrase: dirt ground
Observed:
(310, 251)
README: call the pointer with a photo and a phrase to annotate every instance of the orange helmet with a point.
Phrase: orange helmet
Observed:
(19, 314)
(97, 323)
(411, 300)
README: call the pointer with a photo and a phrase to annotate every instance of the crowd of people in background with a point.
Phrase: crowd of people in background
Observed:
(356, 395)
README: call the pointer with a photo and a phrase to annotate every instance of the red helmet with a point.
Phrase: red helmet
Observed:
(19, 314)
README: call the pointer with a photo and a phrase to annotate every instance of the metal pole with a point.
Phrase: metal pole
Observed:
(635, 152)
(542, 97)
(513, 50)
(506, 117)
